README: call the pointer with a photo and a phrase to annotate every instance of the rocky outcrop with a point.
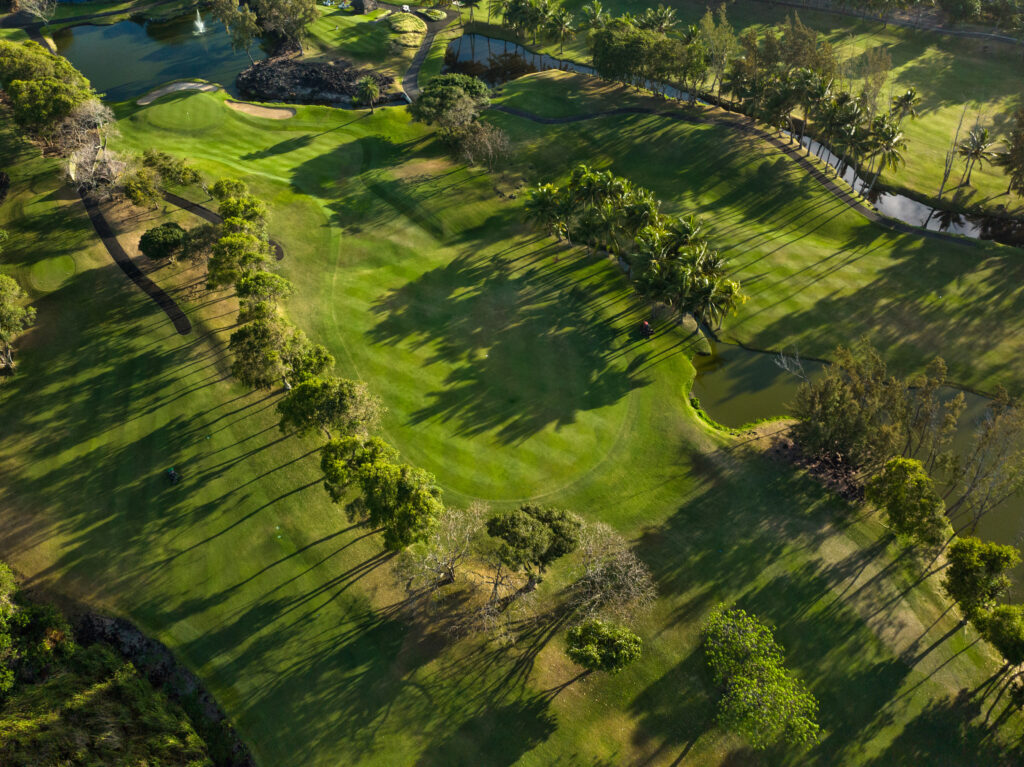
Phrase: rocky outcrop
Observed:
(306, 82)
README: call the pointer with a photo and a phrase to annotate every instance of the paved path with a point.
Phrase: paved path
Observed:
(122, 259)
(838, 189)
(410, 80)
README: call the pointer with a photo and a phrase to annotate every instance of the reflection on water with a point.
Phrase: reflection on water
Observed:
(158, 51)
(736, 386)
(476, 54)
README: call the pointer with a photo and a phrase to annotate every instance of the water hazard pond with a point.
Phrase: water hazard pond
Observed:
(127, 59)
(737, 386)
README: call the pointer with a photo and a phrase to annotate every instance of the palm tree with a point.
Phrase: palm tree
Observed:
(639, 209)
(976, 148)
(501, 6)
(368, 91)
(560, 27)
(594, 15)
(905, 105)
(889, 143)
(543, 207)
(660, 19)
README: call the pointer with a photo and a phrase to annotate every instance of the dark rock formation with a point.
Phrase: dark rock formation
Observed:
(305, 82)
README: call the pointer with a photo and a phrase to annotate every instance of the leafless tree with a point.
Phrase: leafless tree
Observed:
(435, 563)
(484, 144)
(88, 123)
(614, 581)
(992, 471)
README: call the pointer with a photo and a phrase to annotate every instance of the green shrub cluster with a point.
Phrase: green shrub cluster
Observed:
(761, 700)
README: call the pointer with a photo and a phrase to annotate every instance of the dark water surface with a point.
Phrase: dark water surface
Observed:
(127, 59)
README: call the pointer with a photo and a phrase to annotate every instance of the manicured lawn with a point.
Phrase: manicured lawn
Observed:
(947, 71)
(358, 38)
(510, 369)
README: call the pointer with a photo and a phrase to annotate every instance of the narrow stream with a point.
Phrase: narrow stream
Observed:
(491, 54)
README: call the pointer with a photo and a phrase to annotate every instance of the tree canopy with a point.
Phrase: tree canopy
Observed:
(761, 700)
(906, 493)
(532, 537)
(163, 241)
(336, 404)
(15, 316)
(599, 646)
(977, 573)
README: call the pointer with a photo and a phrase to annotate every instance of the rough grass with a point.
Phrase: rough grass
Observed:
(509, 374)
(949, 72)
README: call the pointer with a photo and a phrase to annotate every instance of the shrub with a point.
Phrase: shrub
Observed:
(140, 187)
(434, 14)
(599, 646)
(163, 241)
(760, 700)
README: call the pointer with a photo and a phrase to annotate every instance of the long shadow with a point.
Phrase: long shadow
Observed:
(527, 346)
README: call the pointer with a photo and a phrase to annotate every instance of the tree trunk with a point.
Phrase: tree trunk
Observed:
(9, 357)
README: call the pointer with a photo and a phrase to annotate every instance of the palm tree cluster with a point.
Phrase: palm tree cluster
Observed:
(669, 257)
(537, 17)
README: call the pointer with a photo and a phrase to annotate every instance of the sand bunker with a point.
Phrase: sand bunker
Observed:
(152, 96)
(271, 113)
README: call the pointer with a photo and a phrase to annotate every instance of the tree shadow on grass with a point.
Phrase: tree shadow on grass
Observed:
(529, 342)
(509, 730)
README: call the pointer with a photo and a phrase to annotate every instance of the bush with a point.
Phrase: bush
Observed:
(163, 241)
(140, 187)
(760, 700)
(599, 646)
(406, 23)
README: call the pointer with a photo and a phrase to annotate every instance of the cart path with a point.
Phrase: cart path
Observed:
(181, 322)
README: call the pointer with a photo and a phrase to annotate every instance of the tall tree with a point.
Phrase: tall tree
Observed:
(1012, 159)
(761, 700)
(333, 404)
(368, 92)
(1003, 627)
(287, 18)
(907, 495)
(977, 573)
(531, 537)
(15, 316)
(976, 149)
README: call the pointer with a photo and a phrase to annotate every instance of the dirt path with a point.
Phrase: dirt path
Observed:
(839, 190)
(123, 260)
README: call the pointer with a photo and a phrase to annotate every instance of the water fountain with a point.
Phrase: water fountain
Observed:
(200, 25)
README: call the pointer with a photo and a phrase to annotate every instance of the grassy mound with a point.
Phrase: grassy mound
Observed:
(408, 40)
(405, 23)
(434, 14)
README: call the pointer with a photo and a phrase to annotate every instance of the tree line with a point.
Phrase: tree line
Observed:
(668, 257)
(893, 436)
(789, 78)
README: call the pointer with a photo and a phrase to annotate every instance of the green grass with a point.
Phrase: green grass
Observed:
(509, 374)
(361, 39)
(948, 72)
(407, 23)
